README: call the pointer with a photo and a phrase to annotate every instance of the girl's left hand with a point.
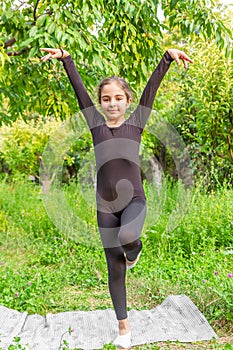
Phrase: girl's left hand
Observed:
(177, 55)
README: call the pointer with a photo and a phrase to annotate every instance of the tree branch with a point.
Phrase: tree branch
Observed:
(21, 4)
(34, 11)
(222, 156)
(9, 42)
(16, 53)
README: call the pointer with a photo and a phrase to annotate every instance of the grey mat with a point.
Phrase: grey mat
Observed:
(177, 318)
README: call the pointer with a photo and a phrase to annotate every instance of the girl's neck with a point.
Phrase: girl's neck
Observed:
(115, 123)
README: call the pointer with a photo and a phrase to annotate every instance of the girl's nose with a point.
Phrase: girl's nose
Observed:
(112, 102)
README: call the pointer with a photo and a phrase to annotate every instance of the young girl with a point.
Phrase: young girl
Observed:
(121, 202)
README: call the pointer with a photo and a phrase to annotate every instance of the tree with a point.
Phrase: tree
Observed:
(198, 103)
(205, 111)
(104, 37)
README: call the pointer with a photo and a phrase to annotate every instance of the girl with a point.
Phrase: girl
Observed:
(121, 202)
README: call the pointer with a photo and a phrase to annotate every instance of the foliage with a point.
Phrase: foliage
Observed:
(198, 103)
(204, 114)
(198, 17)
(22, 145)
(103, 37)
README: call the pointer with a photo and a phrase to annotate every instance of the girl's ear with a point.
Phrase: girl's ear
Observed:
(129, 102)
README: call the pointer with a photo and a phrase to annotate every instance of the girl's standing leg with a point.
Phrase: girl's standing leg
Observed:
(109, 227)
(109, 222)
(116, 281)
(116, 229)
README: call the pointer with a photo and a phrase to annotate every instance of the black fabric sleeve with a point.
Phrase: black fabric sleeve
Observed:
(142, 112)
(89, 111)
(154, 82)
(83, 97)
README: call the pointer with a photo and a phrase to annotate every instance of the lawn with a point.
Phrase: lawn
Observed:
(46, 269)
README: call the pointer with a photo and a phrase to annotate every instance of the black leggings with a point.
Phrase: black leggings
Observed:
(120, 233)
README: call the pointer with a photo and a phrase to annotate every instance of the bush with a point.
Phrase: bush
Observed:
(22, 144)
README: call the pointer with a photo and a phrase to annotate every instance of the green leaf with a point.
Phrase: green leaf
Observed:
(173, 4)
(85, 8)
(51, 28)
(27, 42)
(55, 7)
(33, 31)
(144, 68)
(69, 15)
(58, 34)
(4, 18)
(9, 14)
(133, 30)
(41, 20)
(33, 52)
(218, 35)
(209, 31)
(228, 50)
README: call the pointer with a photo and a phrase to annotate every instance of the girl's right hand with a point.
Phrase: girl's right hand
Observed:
(54, 53)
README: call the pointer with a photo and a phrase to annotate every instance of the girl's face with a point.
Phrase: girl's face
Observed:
(114, 101)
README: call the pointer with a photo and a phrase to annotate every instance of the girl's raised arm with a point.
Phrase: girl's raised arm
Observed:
(83, 97)
(142, 112)
(154, 82)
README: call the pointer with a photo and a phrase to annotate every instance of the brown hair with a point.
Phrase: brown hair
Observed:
(120, 81)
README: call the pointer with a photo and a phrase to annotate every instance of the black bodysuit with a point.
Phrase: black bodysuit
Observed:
(121, 204)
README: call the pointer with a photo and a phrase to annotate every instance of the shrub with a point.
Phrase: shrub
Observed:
(22, 144)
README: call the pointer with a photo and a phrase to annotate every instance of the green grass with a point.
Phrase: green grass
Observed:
(44, 269)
